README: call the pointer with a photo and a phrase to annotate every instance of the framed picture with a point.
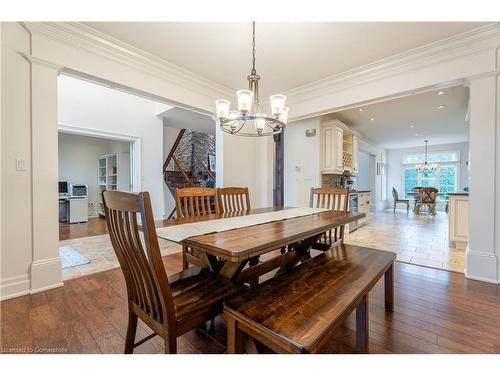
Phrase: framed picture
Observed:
(211, 162)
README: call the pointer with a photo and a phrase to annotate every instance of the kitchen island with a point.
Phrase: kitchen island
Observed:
(458, 219)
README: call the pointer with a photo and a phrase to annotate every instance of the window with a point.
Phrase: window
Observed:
(445, 178)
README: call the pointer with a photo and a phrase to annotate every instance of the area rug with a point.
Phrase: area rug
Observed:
(71, 258)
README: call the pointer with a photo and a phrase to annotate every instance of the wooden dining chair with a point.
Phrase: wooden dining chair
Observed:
(427, 200)
(170, 306)
(334, 199)
(233, 199)
(395, 197)
(194, 201)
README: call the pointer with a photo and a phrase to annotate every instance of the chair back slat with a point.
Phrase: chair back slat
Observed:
(195, 201)
(428, 194)
(233, 199)
(332, 198)
(140, 259)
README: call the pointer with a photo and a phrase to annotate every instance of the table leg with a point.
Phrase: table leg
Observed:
(235, 337)
(362, 326)
(389, 288)
(231, 269)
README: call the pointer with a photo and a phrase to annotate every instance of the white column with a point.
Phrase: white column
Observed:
(484, 147)
(46, 266)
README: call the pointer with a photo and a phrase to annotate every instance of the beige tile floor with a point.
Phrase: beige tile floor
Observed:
(417, 239)
(99, 251)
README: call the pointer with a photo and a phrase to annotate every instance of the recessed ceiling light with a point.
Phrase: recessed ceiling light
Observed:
(416, 135)
(372, 119)
(440, 93)
(441, 106)
(360, 109)
(412, 126)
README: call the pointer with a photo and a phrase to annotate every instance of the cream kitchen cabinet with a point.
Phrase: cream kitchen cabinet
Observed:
(339, 148)
(458, 219)
(331, 149)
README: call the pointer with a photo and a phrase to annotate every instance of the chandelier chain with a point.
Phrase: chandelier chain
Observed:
(253, 48)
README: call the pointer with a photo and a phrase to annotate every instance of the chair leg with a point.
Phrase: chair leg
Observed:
(185, 263)
(170, 345)
(394, 209)
(408, 207)
(131, 330)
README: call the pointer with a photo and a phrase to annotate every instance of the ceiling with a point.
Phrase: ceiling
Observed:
(288, 54)
(184, 119)
(393, 119)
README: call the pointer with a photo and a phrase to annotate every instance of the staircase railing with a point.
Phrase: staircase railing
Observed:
(172, 150)
(209, 173)
(186, 177)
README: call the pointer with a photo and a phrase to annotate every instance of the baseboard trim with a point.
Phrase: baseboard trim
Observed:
(481, 266)
(15, 286)
(46, 274)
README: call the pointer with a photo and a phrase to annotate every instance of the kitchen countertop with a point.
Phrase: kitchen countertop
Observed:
(360, 191)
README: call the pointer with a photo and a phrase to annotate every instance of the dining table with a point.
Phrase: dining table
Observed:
(228, 251)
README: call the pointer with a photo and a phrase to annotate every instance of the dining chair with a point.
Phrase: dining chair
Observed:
(427, 200)
(397, 200)
(334, 199)
(170, 306)
(233, 199)
(194, 201)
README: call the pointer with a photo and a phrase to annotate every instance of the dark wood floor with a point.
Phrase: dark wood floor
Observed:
(94, 227)
(436, 312)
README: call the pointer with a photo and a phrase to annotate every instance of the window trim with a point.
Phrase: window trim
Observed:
(457, 152)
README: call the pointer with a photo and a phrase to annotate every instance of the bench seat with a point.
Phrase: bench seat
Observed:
(299, 310)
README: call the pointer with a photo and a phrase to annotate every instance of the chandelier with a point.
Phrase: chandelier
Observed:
(426, 169)
(249, 120)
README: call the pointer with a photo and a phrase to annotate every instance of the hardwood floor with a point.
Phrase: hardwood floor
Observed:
(94, 227)
(435, 312)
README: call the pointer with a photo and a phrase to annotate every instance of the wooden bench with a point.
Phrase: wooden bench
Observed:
(298, 311)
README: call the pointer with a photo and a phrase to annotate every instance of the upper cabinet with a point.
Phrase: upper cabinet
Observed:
(339, 148)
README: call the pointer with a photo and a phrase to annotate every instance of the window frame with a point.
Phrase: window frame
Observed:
(456, 164)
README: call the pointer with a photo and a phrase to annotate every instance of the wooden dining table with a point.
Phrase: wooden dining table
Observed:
(227, 253)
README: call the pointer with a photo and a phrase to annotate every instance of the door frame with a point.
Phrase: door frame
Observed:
(135, 147)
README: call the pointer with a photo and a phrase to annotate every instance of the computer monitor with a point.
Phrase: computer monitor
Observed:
(63, 187)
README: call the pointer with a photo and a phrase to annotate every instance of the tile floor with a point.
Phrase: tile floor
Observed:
(417, 239)
(99, 251)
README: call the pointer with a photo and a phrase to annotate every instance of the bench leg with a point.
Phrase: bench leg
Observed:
(235, 337)
(362, 326)
(389, 288)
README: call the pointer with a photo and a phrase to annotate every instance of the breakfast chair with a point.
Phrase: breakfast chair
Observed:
(334, 199)
(233, 199)
(194, 201)
(170, 306)
(427, 200)
(397, 200)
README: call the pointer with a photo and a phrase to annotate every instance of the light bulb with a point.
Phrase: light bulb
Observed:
(233, 115)
(222, 108)
(277, 104)
(260, 123)
(245, 98)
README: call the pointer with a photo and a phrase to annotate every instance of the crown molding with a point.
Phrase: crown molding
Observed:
(81, 36)
(458, 45)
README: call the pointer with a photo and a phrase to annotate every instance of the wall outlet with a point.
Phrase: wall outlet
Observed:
(297, 168)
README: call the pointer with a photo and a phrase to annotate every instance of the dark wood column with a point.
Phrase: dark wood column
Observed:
(279, 164)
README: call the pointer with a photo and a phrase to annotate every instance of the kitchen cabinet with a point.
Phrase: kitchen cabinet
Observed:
(339, 148)
(364, 207)
(458, 219)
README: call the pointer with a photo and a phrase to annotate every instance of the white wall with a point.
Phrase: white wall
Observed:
(366, 171)
(78, 160)
(16, 239)
(169, 136)
(303, 153)
(394, 168)
(87, 105)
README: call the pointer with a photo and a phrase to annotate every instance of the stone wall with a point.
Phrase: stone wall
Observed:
(202, 144)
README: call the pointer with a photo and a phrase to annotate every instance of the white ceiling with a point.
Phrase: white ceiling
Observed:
(391, 127)
(288, 54)
(184, 119)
